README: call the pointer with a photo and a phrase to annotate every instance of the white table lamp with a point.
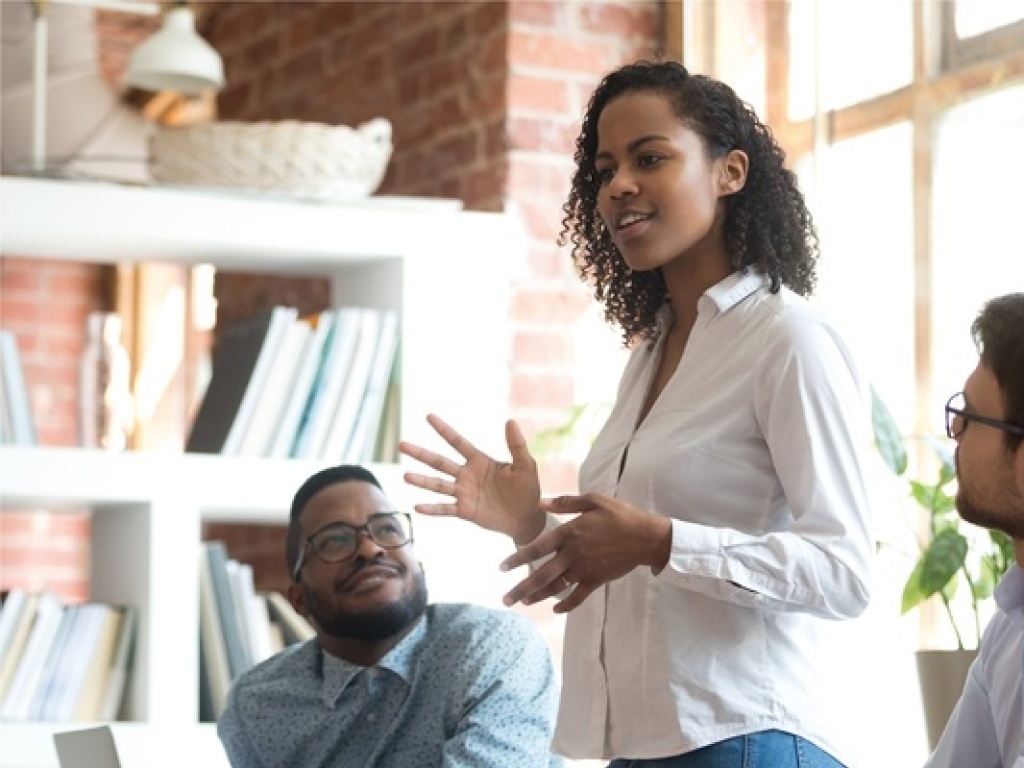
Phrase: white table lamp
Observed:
(174, 58)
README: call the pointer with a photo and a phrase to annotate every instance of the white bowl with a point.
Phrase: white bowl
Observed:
(297, 158)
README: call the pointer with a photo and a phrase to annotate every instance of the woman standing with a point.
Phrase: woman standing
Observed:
(724, 515)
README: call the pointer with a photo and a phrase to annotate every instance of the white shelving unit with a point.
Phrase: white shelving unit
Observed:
(446, 272)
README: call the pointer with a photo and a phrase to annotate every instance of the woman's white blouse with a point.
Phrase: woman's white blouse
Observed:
(758, 451)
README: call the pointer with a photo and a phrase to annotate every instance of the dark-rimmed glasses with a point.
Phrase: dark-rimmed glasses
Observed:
(336, 542)
(957, 419)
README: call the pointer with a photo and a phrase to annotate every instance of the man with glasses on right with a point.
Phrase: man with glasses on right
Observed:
(986, 730)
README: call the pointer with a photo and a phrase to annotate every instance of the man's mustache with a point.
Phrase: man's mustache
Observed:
(361, 565)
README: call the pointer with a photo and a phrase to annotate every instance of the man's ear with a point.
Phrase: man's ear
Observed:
(297, 598)
(732, 172)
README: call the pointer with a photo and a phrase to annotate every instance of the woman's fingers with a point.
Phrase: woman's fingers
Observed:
(461, 445)
(540, 547)
(546, 581)
(437, 510)
(574, 599)
(430, 483)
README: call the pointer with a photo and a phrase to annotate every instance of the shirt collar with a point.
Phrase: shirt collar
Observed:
(338, 674)
(721, 297)
(734, 288)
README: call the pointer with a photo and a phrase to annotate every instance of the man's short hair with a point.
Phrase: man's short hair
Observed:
(998, 333)
(314, 484)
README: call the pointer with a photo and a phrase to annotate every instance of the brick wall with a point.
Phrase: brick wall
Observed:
(45, 304)
(557, 54)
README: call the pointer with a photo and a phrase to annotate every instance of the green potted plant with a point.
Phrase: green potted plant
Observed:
(952, 556)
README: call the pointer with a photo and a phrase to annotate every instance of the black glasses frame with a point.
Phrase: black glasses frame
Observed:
(357, 529)
(953, 413)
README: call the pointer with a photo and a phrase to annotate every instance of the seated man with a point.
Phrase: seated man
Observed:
(389, 681)
(987, 422)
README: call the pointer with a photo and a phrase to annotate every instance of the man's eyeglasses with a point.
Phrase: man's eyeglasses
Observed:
(336, 542)
(957, 419)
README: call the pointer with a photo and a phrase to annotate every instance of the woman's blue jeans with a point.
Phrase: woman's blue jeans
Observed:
(765, 749)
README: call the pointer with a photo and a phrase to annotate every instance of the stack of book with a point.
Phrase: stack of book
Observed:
(62, 662)
(17, 426)
(320, 387)
(238, 627)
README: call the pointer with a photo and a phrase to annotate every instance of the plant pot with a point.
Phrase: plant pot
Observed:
(941, 675)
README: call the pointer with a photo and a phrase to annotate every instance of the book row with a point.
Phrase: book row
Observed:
(72, 662)
(238, 627)
(62, 662)
(317, 387)
(17, 426)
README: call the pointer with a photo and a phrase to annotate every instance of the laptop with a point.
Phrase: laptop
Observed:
(88, 748)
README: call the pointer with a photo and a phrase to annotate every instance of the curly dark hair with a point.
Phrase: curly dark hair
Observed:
(998, 332)
(767, 224)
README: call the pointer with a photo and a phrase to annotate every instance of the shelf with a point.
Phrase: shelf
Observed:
(447, 273)
(103, 223)
(223, 488)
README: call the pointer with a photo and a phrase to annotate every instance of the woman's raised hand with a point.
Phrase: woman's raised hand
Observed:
(498, 496)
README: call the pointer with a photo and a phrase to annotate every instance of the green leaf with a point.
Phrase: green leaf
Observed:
(932, 497)
(984, 584)
(941, 561)
(1004, 546)
(912, 595)
(888, 439)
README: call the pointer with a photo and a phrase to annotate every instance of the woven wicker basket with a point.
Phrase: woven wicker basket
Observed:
(302, 159)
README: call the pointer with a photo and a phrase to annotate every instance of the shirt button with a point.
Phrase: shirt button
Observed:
(371, 718)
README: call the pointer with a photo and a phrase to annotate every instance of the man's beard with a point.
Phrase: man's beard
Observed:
(378, 623)
(988, 518)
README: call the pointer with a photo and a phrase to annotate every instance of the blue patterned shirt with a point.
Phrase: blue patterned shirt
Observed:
(468, 687)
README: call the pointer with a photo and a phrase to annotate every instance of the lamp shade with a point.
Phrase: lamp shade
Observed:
(176, 58)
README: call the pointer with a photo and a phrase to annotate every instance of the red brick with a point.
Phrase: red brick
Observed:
(549, 263)
(335, 16)
(42, 550)
(261, 53)
(540, 13)
(414, 51)
(493, 55)
(487, 17)
(542, 94)
(495, 139)
(303, 31)
(543, 134)
(304, 67)
(19, 278)
(485, 188)
(529, 391)
(543, 218)
(535, 347)
(538, 178)
(622, 21)
(73, 285)
(549, 51)
(548, 307)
